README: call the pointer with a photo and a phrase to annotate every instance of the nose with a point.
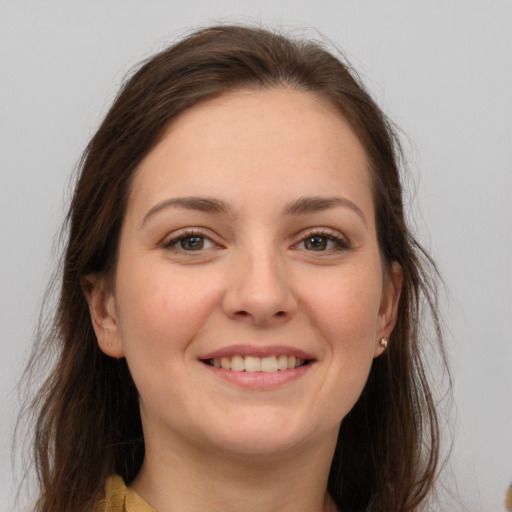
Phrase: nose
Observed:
(259, 290)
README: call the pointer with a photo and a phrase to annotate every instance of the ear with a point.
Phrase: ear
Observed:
(388, 311)
(103, 314)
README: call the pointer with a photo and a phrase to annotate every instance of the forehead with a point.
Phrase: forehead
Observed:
(252, 142)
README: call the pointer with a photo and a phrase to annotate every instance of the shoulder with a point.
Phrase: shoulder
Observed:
(114, 496)
(119, 498)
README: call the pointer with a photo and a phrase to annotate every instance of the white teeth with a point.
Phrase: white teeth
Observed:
(282, 363)
(237, 363)
(252, 364)
(269, 364)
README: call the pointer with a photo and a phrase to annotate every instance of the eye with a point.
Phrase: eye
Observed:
(323, 242)
(317, 243)
(189, 242)
(192, 243)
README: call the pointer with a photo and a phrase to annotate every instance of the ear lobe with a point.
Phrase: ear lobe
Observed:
(103, 314)
(388, 312)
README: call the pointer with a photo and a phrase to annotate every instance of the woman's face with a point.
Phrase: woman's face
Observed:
(249, 296)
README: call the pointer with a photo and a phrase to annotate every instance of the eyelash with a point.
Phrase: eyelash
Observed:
(191, 233)
(341, 244)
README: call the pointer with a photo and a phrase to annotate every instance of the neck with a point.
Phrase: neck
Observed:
(193, 479)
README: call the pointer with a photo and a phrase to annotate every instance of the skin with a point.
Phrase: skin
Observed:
(213, 444)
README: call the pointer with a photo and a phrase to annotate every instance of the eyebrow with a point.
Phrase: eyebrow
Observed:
(313, 204)
(202, 204)
(302, 206)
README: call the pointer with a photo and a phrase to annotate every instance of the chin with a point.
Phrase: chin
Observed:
(260, 444)
(263, 435)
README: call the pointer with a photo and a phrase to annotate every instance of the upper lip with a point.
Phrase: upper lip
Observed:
(257, 351)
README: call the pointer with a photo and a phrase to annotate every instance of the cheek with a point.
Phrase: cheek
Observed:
(344, 312)
(344, 308)
(161, 311)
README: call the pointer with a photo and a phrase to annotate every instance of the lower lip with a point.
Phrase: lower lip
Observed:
(259, 380)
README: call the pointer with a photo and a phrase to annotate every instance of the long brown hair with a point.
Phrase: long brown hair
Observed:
(88, 424)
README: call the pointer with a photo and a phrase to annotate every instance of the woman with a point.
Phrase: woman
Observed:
(238, 326)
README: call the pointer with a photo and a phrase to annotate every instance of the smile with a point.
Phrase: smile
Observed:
(251, 363)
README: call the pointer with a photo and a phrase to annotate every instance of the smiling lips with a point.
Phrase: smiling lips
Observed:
(268, 364)
(257, 359)
(257, 367)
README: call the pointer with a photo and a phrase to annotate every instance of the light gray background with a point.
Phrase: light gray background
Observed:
(441, 69)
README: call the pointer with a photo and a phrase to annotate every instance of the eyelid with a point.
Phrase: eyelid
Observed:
(343, 243)
(173, 238)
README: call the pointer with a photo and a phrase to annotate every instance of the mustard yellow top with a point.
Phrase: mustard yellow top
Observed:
(119, 498)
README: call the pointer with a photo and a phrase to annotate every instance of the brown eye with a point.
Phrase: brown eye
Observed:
(316, 243)
(323, 242)
(189, 243)
(192, 243)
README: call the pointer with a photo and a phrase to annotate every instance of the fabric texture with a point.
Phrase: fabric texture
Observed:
(119, 498)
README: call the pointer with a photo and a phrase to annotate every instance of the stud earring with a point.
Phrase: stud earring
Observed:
(384, 342)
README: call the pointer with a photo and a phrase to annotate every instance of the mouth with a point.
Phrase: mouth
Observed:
(255, 364)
